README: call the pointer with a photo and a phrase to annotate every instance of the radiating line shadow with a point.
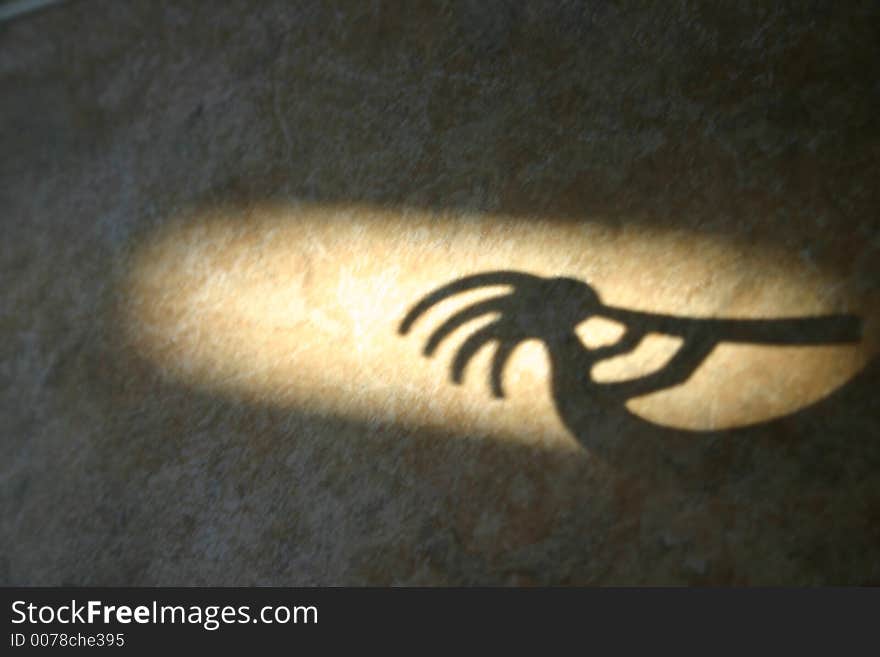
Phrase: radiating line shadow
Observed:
(550, 309)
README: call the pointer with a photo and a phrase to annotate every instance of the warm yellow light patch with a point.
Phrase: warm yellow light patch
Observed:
(300, 305)
(652, 354)
(599, 332)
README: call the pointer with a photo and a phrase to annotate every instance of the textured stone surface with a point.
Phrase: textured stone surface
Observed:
(216, 216)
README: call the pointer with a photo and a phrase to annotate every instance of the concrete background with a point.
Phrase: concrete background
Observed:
(684, 158)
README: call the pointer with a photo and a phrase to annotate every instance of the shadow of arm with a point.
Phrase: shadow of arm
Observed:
(824, 330)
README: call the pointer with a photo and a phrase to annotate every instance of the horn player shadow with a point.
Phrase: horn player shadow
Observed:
(550, 309)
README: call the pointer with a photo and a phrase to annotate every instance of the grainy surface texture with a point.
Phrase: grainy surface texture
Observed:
(216, 216)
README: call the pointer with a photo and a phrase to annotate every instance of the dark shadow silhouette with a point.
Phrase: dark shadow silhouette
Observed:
(550, 309)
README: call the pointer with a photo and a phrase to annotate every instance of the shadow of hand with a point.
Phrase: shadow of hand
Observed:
(536, 308)
(550, 309)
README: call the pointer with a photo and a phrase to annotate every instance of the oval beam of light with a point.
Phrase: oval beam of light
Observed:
(299, 305)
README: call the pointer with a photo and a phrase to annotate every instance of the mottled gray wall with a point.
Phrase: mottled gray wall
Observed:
(753, 124)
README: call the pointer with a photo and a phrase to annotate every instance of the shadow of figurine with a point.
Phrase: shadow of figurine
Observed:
(550, 309)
